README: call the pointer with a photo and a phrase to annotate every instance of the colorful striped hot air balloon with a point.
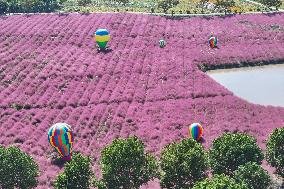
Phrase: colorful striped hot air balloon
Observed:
(102, 37)
(212, 42)
(196, 131)
(60, 136)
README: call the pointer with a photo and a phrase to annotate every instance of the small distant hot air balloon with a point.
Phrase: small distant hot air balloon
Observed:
(162, 43)
(212, 42)
(102, 37)
(60, 136)
(196, 131)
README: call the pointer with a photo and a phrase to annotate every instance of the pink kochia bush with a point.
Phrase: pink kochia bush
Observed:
(51, 72)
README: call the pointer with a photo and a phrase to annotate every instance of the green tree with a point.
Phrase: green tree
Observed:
(14, 6)
(253, 175)
(183, 164)
(272, 3)
(220, 182)
(232, 150)
(17, 169)
(30, 6)
(3, 6)
(275, 150)
(226, 4)
(77, 174)
(167, 4)
(2, 166)
(51, 5)
(125, 165)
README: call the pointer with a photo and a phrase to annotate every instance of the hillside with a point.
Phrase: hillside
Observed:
(50, 72)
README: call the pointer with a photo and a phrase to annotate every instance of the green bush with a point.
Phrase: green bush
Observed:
(77, 174)
(232, 150)
(253, 175)
(84, 2)
(125, 165)
(272, 3)
(183, 164)
(226, 4)
(275, 150)
(17, 169)
(167, 4)
(220, 182)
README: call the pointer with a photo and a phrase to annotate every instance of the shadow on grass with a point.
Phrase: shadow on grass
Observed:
(271, 14)
(202, 140)
(174, 17)
(85, 13)
(228, 15)
(63, 14)
(208, 17)
(104, 51)
(58, 162)
(55, 160)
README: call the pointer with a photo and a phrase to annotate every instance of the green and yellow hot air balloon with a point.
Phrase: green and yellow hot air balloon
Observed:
(102, 37)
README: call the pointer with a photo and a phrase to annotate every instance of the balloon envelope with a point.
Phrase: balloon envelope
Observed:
(102, 37)
(196, 131)
(60, 136)
(212, 42)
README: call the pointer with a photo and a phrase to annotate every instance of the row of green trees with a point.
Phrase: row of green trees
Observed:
(29, 6)
(234, 161)
(34, 6)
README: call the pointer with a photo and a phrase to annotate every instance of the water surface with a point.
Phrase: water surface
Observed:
(260, 84)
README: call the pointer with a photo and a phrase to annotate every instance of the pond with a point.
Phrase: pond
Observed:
(259, 84)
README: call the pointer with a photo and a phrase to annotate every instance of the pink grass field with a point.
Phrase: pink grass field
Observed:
(49, 65)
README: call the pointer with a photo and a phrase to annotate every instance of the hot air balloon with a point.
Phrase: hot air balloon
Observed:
(162, 43)
(212, 42)
(60, 136)
(102, 37)
(196, 131)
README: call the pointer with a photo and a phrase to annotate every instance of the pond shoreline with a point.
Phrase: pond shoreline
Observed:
(208, 67)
